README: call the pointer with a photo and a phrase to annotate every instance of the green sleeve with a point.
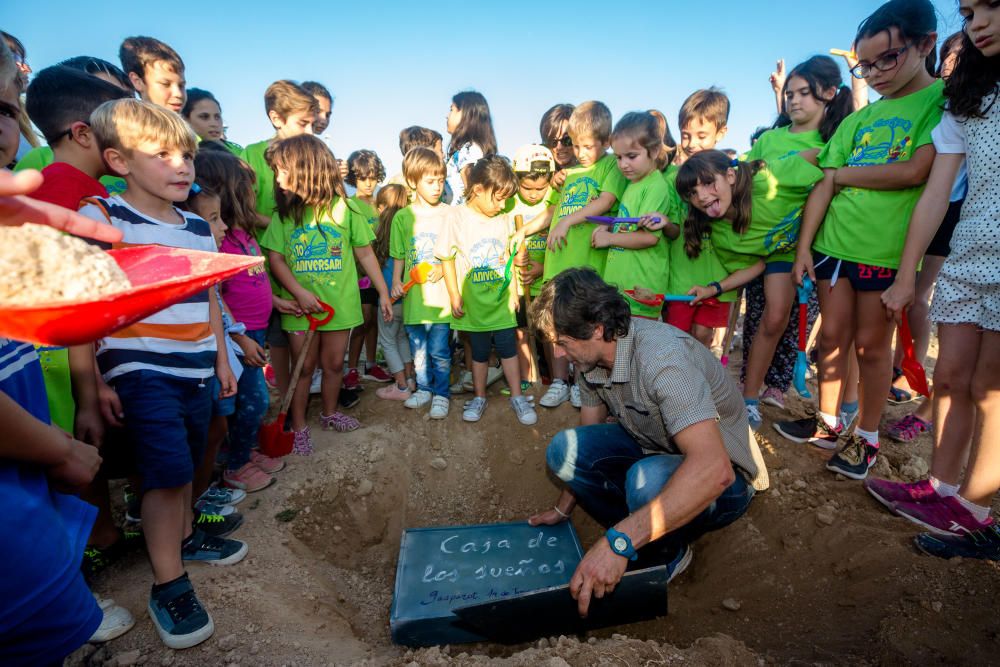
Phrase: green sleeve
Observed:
(614, 182)
(273, 237)
(361, 231)
(838, 149)
(397, 236)
(37, 158)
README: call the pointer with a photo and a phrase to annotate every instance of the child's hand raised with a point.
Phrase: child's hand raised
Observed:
(778, 76)
(601, 238)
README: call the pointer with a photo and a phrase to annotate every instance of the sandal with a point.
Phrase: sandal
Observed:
(899, 396)
(908, 428)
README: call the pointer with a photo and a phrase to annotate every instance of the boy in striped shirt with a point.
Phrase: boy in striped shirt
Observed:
(161, 367)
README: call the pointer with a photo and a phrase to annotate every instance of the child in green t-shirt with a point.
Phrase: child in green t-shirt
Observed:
(426, 306)
(312, 243)
(480, 283)
(638, 257)
(364, 172)
(855, 222)
(752, 211)
(204, 114)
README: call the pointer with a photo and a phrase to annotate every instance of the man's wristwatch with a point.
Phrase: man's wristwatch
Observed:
(621, 544)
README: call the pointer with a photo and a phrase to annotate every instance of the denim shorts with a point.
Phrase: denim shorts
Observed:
(221, 407)
(166, 424)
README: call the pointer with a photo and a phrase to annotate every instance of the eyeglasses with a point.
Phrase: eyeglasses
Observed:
(884, 63)
(561, 141)
(64, 133)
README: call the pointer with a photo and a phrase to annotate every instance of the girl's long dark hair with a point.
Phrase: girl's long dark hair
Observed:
(476, 126)
(702, 169)
(914, 19)
(974, 78)
(392, 198)
(233, 180)
(821, 73)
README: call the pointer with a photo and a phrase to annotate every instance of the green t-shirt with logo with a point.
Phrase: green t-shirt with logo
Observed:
(648, 267)
(412, 238)
(42, 156)
(582, 186)
(537, 242)
(320, 254)
(778, 193)
(781, 142)
(479, 247)
(869, 226)
(686, 272)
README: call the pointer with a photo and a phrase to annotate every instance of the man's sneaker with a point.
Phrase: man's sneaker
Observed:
(248, 477)
(474, 409)
(376, 374)
(266, 463)
(269, 377)
(392, 392)
(888, 493)
(574, 396)
(317, 382)
(753, 416)
(116, 621)
(348, 398)
(946, 516)
(339, 422)
(464, 383)
(524, 410)
(555, 395)
(908, 428)
(419, 399)
(215, 525)
(983, 543)
(493, 373)
(178, 616)
(220, 495)
(847, 417)
(439, 407)
(302, 442)
(352, 380)
(854, 459)
(774, 397)
(206, 507)
(812, 430)
(202, 548)
(680, 562)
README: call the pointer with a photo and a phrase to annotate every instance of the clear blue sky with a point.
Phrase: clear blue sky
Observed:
(393, 64)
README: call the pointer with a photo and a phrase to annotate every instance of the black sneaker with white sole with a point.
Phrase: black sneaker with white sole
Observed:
(812, 430)
(178, 616)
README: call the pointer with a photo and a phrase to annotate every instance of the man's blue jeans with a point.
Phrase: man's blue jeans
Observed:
(612, 477)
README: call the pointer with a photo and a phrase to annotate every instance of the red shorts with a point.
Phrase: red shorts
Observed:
(711, 315)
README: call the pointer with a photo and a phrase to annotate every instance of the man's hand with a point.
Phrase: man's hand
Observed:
(78, 465)
(597, 574)
(549, 517)
(16, 209)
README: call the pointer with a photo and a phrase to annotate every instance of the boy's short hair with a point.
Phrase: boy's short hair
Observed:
(285, 97)
(140, 52)
(124, 124)
(591, 119)
(364, 163)
(421, 161)
(708, 104)
(413, 136)
(60, 96)
(316, 89)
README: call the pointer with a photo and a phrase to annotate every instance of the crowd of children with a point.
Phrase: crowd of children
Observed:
(837, 203)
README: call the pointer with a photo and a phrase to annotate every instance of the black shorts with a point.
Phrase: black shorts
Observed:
(505, 341)
(369, 296)
(941, 243)
(863, 278)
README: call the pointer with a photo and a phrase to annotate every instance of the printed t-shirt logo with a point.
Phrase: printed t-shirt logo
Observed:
(422, 248)
(897, 147)
(317, 250)
(784, 235)
(622, 227)
(578, 194)
(486, 257)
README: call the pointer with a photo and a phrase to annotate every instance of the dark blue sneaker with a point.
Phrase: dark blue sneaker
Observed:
(854, 459)
(984, 544)
(680, 562)
(202, 548)
(217, 525)
(178, 616)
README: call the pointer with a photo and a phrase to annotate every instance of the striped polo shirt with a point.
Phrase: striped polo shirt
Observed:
(177, 340)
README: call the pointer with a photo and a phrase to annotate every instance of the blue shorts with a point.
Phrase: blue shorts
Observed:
(221, 407)
(166, 423)
(777, 267)
(505, 341)
(863, 278)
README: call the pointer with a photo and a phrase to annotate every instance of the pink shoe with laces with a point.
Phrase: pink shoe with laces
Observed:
(339, 422)
(774, 397)
(889, 493)
(393, 393)
(946, 516)
(908, 428)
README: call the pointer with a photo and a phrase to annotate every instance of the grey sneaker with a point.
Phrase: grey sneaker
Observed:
(474, 409)
(418, 400)
(555, 395)
(464, 383)
(574, 397)
(439, 407)
(524, 410)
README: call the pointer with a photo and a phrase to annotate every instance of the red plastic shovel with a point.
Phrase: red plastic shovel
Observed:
(914, 371)
(274, 440)
(160, 277)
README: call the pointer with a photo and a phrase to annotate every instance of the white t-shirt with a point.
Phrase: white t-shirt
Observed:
(468, 154)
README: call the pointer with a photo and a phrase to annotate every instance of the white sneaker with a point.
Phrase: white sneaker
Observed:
(524, 410)
(317, 381)
(439, 407)
(493, 373)
(474, 409)
(117, 621)
(418, 400)
(556, 395)
(464, 383)
(574, 397)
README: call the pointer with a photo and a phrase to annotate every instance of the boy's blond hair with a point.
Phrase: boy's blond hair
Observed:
(126, 123)
(285, 97)
(419, 162)
(592, 120)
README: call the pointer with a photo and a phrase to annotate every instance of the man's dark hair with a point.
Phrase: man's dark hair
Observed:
(60, 96)
(575, 302)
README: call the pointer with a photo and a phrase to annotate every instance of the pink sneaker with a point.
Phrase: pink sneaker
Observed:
(773, 396)
(946, 516)
(393, 393)
(303, 444)
(266, 463)
(249, 477)
(269, 377)
(376, 374)
(888, 493)
(908, 428)
(339, 422)
(352, 380)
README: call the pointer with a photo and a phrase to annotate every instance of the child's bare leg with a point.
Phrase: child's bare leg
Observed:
(779, 292)
(371, 336)
(164, 528)
(217, 429)
(358, 336)
(873, 342)
(523, 355)
(512, 373)
(704, 335)
(849, 388)
(954, 408)
(835, 338)
(104, 533)
(281, 359)
(300, 399)
(333, 344)
(479, 369)
(982, 480)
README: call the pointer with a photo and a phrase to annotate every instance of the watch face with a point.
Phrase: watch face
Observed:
(620, 544)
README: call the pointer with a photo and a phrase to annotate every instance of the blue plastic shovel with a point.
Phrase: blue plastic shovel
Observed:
(801, 361)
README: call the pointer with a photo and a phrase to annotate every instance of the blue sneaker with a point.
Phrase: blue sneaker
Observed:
(753, 416)
(178, 616)
(206, 507)
(848, 414)
(680, 562)
(202, 548)
(218, 495)
(983, 544)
